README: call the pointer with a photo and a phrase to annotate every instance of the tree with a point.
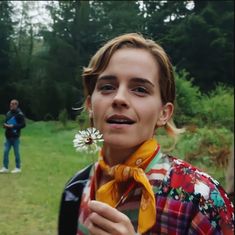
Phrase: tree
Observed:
(118, 17)
(21, 81)
(6, 32)
(162, 16)
(65, 53)
(202, 43)
(38, 60)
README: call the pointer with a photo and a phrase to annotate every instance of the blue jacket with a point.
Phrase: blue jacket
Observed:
(16, 118)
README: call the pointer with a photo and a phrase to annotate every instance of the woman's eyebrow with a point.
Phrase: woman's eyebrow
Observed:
(142, 81)
(107, 77)
(135, 79)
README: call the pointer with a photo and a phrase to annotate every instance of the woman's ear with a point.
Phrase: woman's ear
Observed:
(88, 106)
(165, 114)
(89, 109)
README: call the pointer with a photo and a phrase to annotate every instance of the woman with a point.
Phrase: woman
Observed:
(134, 187)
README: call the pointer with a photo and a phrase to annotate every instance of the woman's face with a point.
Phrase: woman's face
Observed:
(126, 104)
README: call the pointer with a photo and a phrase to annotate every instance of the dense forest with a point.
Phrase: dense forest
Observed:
(41, 63)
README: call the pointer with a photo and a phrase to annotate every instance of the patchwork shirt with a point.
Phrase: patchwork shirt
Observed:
(188, 201)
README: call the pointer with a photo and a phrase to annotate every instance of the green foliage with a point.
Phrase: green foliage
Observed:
(63, 117)
(202, 43)
(161, 16)
(188, 97)
(6, 29)
(194, 108)
(83, 120)
(48, 117)
(6, 32)
(114, 16)
(2, 119)
(38, 65)
(217, 108)
(200, 139)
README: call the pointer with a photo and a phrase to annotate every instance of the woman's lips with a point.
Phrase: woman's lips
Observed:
(120, 120)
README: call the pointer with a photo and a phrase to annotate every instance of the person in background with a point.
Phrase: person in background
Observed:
(135, 188)
(13, 124)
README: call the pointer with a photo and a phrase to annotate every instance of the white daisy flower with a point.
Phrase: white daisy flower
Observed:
(87, 140)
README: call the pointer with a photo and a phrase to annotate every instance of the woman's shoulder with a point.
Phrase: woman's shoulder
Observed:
(80, 176)
(184, 174)
(187, 183)
(190, 179)
(176, 171)
(70, 201)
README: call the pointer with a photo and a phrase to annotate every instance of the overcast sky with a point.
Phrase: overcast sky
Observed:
(37, 12)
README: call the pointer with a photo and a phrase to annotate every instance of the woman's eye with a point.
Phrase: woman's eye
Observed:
(141, 90)
(106, 87)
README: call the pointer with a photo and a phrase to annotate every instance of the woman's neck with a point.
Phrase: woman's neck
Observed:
(116, 155)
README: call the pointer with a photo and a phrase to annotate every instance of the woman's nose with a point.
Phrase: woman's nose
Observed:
(121, 98)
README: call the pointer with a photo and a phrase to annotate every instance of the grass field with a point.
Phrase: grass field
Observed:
(29, 201)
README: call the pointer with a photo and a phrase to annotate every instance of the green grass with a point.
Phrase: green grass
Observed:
(29, 202)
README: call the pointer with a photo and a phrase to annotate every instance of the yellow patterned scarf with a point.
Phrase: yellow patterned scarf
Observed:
(132, 169)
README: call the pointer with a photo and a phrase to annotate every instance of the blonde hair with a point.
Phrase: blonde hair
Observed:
(100, 61)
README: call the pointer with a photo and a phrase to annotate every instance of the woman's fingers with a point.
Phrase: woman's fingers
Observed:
(93, 228)
(107, 220)
(106, 211)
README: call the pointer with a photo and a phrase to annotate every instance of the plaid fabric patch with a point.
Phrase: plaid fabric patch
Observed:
(176, 217)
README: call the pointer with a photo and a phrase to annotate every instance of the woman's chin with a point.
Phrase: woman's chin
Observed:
(120, 142)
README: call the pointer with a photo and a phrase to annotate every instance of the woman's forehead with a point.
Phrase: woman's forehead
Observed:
(132, 62)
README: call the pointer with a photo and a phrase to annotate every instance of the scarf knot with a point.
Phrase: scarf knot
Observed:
(122, 173)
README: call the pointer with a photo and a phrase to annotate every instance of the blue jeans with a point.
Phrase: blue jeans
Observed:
(15, 142)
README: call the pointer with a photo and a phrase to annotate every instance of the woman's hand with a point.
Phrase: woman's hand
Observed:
(104, 220)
